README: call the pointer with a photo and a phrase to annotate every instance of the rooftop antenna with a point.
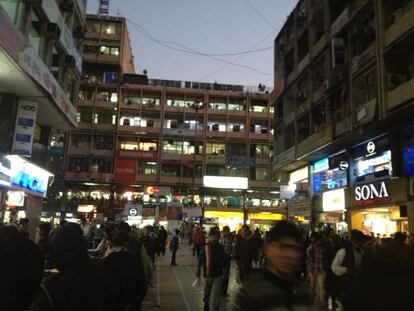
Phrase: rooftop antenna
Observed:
(103, 9)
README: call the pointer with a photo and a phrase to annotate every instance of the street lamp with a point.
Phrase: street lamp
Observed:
(196, 106)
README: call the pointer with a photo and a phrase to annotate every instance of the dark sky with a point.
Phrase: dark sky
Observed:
(203, 27)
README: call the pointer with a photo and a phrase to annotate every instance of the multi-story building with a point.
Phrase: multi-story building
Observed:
(40, 69)
(136, 132)
(343, 113)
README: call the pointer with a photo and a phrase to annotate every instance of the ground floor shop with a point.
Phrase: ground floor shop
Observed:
(382, 207)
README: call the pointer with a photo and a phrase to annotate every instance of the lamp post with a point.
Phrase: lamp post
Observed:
(196, 106)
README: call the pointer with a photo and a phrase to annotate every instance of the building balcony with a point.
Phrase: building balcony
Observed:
(259, 184)
(105, 104)
(343, 126)
(100, 58)
(139, 107)
(215, 159)
(170, 180)
(402, 25)
(221, 112)
(320, 139)
(189, 181)
(237, 113)
(260, 115)
(216, 134)
(263, 161)
(318, 47)
(84, 126)
(183, 132)
(140, 129)
(400, 95)
(174, 109)
(91, 152)
(102, 36)
(140, 178)
(104, 127)
(261, 136)
(237, 135)
(85, 103)
(190, 158)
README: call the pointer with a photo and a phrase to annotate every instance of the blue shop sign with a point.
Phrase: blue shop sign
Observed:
(32, 183)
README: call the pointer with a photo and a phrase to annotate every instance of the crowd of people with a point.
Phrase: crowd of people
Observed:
(109, 267)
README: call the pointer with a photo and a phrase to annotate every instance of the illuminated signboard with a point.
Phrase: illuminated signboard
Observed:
(298, 175)
(151, 190)
(333, 200)
(224, 182)
(266, 216)
(15, 198)
(217, 214)
(27, 176)
(321, 165)
(86, 208)
(370, 193)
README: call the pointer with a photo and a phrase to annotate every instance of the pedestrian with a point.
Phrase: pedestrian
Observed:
(227, 241)
(317, 269)
(44, 244)
(257, 244)
(24, 226)
(211, 260)
(199, 241)
(81, 284)
(21, 270)
(149, 244)
(175, 241)
(162, 240)
(243, 252)
(127, 275)
(276, 285)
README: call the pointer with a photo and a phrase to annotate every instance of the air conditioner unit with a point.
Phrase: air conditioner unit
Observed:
(52, 31)
(395, 80)
(70, 61)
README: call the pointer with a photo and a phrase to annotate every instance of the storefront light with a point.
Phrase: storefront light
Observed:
(333, 200)
(299, 175)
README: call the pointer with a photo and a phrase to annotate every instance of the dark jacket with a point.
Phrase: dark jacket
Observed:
(264, 290)
(128, 278)
(243, 250)
(212, 260)
(81, 285)
(163, 235)
(174, 243)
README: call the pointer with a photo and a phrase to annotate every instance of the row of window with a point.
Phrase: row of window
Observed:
(101, 49)
(97, 165)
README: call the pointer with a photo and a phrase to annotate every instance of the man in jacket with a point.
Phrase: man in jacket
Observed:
(243, 251)
(227, 241)
(80, 285)
(275, 287)
(211, 259)
(127, 275)
(174, 246)
(162, 239)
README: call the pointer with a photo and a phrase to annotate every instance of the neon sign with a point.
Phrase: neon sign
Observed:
(29, 177)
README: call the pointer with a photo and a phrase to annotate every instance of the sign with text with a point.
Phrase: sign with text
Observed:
(24, 128)
(125, 170)
(137, 154)
(372, 193)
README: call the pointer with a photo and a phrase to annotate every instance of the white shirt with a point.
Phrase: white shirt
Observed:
(336, 265)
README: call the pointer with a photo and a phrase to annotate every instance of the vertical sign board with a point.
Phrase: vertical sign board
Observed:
(24, 128)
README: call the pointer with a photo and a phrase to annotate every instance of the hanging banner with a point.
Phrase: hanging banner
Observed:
(24, 128)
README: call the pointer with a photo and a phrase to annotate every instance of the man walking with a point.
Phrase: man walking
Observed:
(228, 252)
(211, 259)
(174, 246)
(162, 238)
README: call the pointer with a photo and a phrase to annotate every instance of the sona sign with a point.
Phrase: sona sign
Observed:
(371, 192)
(29, 177)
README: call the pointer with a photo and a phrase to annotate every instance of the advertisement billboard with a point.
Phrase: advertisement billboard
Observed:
(24, 128)
(125, 170)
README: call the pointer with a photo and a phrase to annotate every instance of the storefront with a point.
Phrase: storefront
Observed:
(379, 207)
(232, 218)
(264, 220)
(333, 208)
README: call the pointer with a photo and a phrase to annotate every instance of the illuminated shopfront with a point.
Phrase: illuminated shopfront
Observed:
(233, 219)
(379, 207)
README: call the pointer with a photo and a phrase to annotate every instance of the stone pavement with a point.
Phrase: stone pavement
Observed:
(172, 290)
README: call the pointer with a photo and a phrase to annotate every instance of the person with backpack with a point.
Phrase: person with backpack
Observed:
(174, 246)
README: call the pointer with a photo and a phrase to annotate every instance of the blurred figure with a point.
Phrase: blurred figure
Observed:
(162, 240)
(24, 226)
(228, 252)
(44, 244)
(199, 240)
(81, 284)
(21, 270)
(384, 281)
(175, 241)
(275, 286)
(400, 238)
(149, 244)
(211, 259)
(127, 275)
(243, 252)
(316, 256)
(257, 244)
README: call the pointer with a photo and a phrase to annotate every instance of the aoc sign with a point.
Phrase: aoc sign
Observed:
(372, 193)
